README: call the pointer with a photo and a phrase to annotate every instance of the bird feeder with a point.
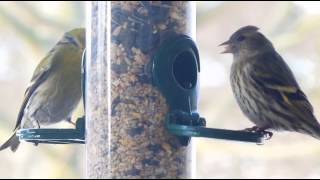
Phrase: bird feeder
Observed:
(142, 91)
(140, 83)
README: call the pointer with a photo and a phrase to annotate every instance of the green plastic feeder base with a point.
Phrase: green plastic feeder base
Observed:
(55, 136)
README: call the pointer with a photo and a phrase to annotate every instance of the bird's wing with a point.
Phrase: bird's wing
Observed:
(45, 67)
(271, 72)
(40, 74)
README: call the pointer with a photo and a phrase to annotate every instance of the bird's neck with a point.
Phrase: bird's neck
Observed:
(245, 55)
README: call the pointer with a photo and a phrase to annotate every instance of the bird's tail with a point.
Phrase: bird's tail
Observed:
(316, 134)
(13, 143)
(311, 129)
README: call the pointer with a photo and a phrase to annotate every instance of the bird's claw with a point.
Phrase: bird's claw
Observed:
(266, 134)
(253, 129)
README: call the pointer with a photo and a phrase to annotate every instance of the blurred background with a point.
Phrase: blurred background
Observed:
(30, 29)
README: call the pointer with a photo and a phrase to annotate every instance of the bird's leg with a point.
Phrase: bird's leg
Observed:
(252, 129)
(69, 121)
(268, 135)
(35, 123)
(38, 124)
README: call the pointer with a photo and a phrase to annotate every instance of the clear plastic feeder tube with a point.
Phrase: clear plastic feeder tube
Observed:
(125, 112)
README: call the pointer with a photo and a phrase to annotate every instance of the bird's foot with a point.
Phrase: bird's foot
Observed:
(267, 134)
(253, 129)
(70, 121)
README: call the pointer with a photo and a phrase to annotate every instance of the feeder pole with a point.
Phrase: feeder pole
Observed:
(125, 112)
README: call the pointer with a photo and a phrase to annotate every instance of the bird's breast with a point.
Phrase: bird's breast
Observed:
(242, 90)
(56, 98)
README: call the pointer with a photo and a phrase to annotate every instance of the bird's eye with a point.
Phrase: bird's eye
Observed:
(241, 38)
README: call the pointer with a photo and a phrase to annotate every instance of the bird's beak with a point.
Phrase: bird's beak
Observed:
(228, 47)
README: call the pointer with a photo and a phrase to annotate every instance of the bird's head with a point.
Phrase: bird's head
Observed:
(247, 41)
(76, 37)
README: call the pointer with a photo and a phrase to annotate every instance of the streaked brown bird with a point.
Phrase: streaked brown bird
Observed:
(55, 89)
(265, 88)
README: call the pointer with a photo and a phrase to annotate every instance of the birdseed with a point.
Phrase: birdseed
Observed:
(126, 137)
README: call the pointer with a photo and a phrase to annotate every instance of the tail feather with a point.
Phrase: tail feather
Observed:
(310, 129)
(13, 143)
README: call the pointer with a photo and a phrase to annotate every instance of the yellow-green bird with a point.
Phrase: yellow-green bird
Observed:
(55, 88)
